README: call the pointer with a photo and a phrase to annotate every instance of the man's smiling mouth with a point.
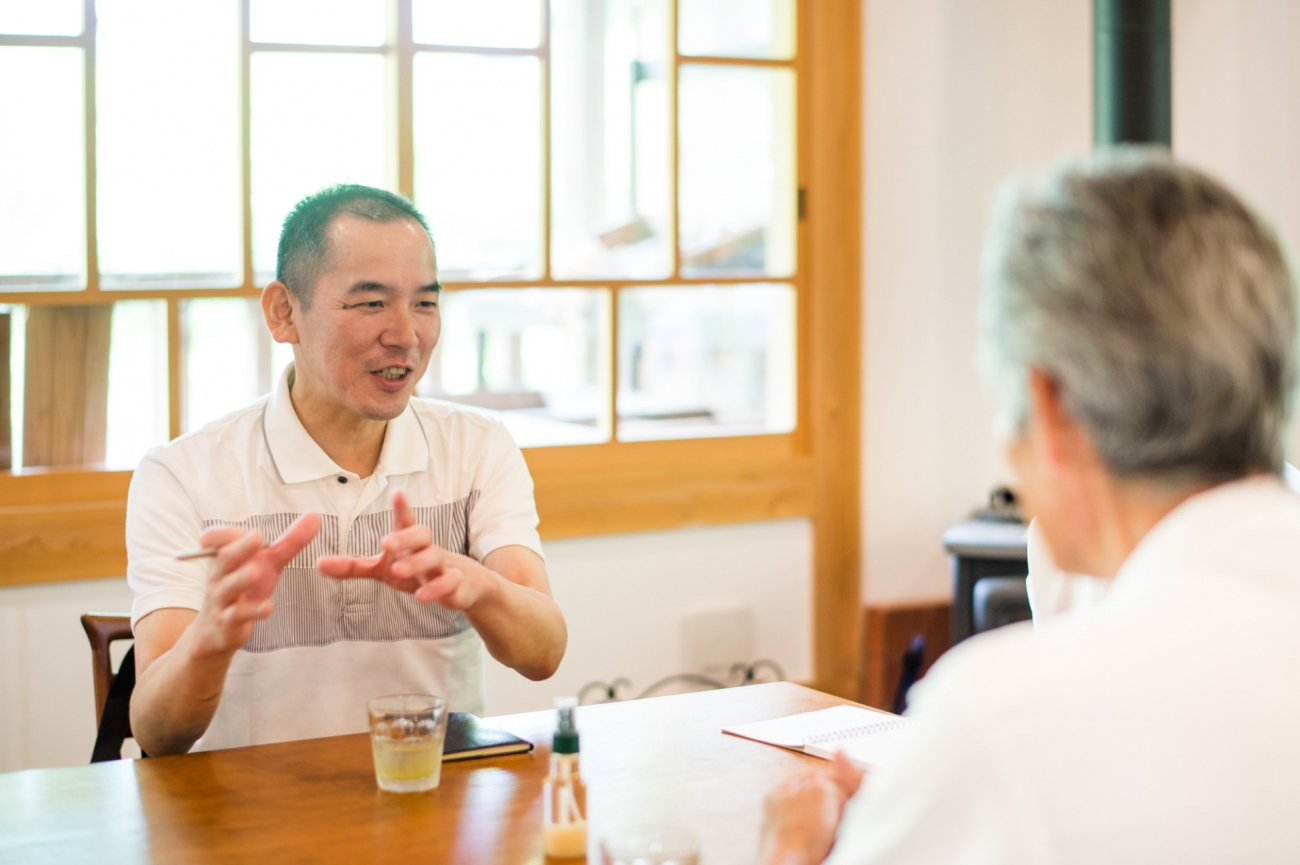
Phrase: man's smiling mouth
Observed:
(393, 373)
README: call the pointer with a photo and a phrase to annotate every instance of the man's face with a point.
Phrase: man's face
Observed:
(372, 321)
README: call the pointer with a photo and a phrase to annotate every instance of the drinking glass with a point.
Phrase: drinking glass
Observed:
(406, 734)
(650, 845)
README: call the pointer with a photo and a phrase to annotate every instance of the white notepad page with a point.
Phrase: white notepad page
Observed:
(867, 738)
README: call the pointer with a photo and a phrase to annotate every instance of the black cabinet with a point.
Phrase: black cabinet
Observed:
(985, 550)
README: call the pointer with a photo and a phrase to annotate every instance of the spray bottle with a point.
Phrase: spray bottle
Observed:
(564, 800)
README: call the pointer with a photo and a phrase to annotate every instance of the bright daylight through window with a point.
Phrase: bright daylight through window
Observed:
(612, 186)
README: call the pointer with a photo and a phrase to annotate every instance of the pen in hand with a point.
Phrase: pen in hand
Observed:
(201, 553)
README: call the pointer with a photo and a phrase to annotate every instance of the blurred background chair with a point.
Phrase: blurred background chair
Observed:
(112, 687)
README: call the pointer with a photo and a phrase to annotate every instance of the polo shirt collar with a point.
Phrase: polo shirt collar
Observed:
(298, 458)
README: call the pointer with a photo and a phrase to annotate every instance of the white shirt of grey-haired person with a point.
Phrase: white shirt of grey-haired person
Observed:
(1156, 726)
(1053, 591)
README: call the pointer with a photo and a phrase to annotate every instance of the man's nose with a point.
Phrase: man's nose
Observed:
(400, 331)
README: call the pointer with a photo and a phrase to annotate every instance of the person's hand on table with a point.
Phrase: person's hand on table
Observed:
(242, 579)
(411, 562)
(803, 813)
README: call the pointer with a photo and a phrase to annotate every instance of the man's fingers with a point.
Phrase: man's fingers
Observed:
(350, 567)
(845, 774)
(407, 540)
(244, 611)
(441, 588)
(403, 516)
(235, 553)
(227, 588)
(220, 536)
(292, 542)
(425, 565)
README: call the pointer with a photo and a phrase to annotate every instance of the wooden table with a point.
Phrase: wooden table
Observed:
(660, 760)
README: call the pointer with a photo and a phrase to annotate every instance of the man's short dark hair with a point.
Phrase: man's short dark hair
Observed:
(304, 244)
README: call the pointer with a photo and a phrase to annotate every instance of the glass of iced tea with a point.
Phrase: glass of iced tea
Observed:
(406, 734)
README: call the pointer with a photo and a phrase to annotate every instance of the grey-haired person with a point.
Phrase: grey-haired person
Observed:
(1139, 329)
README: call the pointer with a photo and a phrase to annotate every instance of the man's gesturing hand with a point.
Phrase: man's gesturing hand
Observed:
(412, 563)
(243, 579)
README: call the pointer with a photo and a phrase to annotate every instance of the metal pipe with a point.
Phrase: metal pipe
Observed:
(1132, 72)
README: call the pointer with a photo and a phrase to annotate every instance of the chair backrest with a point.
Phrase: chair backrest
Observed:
(103, 629)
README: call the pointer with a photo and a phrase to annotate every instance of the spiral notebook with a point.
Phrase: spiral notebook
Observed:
(867, 738)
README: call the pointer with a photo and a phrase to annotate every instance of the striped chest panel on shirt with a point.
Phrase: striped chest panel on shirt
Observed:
(312, 610)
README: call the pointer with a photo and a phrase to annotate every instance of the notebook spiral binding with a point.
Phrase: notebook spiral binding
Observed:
(855, 732)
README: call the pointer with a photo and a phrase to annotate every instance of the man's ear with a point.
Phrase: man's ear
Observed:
(281, 310)
(1060, 438)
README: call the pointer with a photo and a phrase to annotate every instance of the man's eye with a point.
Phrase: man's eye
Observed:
(374, 304)
(428, 304)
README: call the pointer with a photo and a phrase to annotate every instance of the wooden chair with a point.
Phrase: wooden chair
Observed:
(103, 630)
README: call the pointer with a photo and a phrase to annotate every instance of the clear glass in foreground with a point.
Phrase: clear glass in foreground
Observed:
(407, 732)
(650, 845)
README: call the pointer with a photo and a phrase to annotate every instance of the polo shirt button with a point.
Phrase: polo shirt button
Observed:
(342, 479)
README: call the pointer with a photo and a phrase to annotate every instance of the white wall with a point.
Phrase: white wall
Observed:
(1237, 105)
(957, 95)
(623, 596)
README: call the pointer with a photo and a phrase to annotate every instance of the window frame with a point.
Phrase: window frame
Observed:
(67, 523)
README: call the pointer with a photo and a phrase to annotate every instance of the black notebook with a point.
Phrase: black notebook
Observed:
(469, 736)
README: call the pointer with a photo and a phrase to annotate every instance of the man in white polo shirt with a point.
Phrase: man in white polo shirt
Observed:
(404, 531)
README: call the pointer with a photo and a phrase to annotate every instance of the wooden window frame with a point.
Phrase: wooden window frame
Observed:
(67, 524)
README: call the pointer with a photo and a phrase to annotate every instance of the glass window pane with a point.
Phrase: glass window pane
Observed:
(737, 28)
(44, 18)
(227, 356)
(706, 361)
(169, 180)
(318, 120)
(94, 416)
(137, 381)
(317, 22)
(737, 171)
(483, 23)
(611, 142)
(42, 177)
(537, 358)
(478, 161)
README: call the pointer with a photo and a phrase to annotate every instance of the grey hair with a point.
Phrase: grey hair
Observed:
(1161, 306)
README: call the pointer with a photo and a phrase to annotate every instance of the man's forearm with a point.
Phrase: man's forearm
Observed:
(176, 697)
(521, 627)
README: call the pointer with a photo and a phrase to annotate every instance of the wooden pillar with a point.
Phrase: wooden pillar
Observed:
(6, 429)
(832, 46)
(65, 395)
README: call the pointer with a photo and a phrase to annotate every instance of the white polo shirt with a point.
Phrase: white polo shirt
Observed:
(330, 645)
(1157, 725)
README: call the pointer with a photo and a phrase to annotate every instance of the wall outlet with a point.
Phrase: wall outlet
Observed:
(715, 639)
